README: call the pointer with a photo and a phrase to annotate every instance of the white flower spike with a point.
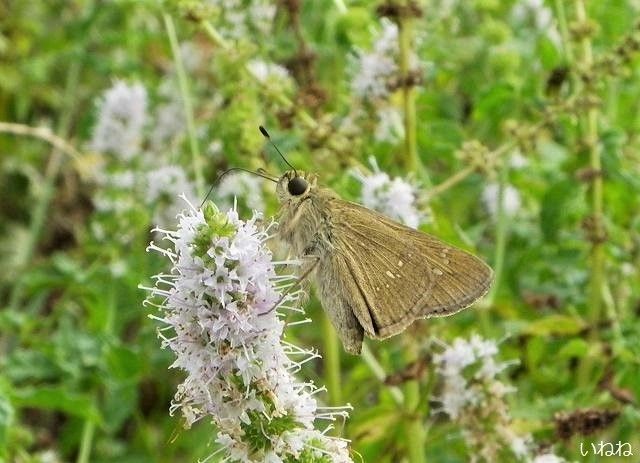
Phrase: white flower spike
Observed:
(395, 198)
(216, 307)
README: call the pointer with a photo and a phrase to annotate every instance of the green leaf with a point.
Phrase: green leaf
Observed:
(7, 414)
(557, 202)
(574, 348)
(536, 348)
(124, 363)
(119, 403)
(556, 325)
(353, 28)
(495, 104)
(57, 398)
(29, 365)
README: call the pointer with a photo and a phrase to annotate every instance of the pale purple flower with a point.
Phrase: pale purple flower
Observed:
(390, 127)
(240, 185)
(164, 186)
(269, 73)
(122, 114)
(511, 199)
(455, 358)
(470, 389)
(517, 160)
(521, 446)
(237, 19)
(192, 56)
(459, 389)
(374, 69)
(541, 17)
(219, 307)
(168, 118)
(395, 198)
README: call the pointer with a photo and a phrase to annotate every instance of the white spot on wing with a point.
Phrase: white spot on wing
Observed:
(400, 263)
(437, 271)
(390, 275)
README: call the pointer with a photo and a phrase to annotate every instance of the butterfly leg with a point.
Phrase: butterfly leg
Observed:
(297, 284)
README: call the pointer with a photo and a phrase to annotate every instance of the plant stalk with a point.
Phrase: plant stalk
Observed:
(88, 431)
(196, 158)
(413, 421)
(410, 159)
(378, 371)
(597, 256)
(501, 238)
(332, 362)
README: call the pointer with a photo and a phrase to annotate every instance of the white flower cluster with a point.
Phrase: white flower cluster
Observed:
(540, 15)
(240, 185)
(473, 396)
(459, 393)
(118, 134)
(390, 126)
(217, 307)
(121, 118)
(373, 74)
(169, 119)
(376, 68)
(239, 19)
(163, 185)
(510, 199)
(268, 73)
(395, 198)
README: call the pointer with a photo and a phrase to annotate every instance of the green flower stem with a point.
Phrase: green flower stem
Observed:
(415, 432)
(501, 242)
(340, 6)
(88, 431)
(279, 97)
(451, 181)
(332, 362)
(378, 371)
(215, 36)
(498, 152)
(410, 159)
(196, 158)
(596, 280)
(612, 314)
(413, 421)
(561, 18)
(43, 133)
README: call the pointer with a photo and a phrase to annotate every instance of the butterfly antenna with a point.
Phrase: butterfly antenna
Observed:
(260, 173)
(266, 135)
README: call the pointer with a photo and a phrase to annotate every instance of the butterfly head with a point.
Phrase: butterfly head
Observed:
(295, 185)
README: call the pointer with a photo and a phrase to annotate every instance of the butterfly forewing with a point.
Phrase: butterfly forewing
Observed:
(400, 273)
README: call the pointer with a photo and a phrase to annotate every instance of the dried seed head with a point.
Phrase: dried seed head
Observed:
(583, 422)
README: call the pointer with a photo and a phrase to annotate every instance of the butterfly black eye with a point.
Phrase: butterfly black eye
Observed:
(297, 186)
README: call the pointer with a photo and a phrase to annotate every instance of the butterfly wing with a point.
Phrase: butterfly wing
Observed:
(398, 274)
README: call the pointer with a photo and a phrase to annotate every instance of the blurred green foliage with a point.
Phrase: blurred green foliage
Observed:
(81, 370)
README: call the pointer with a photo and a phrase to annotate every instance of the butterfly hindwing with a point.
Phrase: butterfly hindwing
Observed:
(399, 274)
